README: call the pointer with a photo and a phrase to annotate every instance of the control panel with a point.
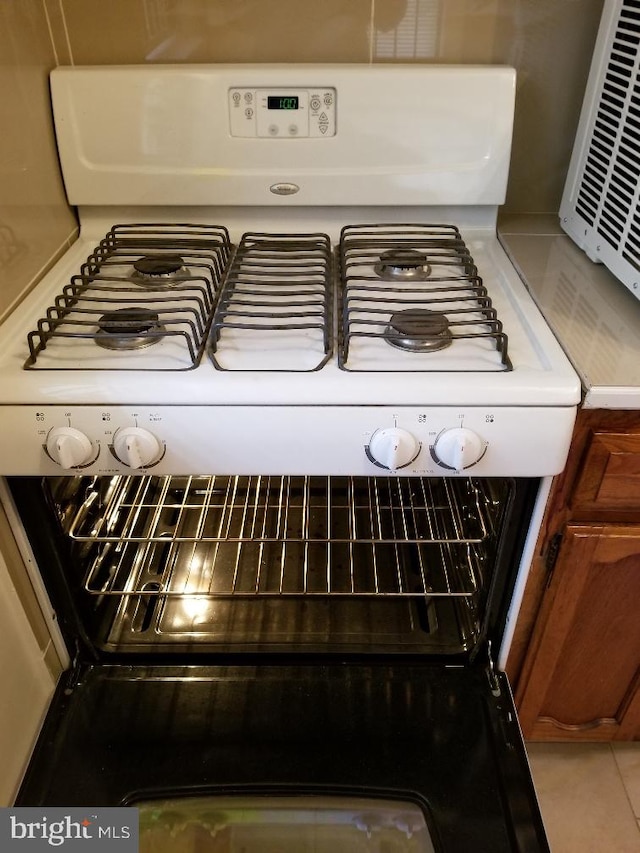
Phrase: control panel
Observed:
(443, 441)
(291, 113)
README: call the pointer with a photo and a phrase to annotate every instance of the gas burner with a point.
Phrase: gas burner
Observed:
(129, 329)
(163, 270)
(403, 265)
(418, 330)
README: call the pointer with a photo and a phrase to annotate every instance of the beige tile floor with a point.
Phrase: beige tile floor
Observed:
(589, 795)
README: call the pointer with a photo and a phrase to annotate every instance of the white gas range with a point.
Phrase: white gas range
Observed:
(333, 299)
(294, 416)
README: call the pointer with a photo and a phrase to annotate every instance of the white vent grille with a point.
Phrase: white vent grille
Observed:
(600, 207)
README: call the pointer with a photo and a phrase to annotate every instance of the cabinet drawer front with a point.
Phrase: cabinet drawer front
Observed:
(610, 478)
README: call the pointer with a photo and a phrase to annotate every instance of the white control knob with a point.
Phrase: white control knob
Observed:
(69, 447)
(458, 448)
(393, 448)
(136, 447)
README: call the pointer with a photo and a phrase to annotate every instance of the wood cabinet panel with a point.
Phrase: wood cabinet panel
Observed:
(575, 658)
(610, 477)
(581, 675)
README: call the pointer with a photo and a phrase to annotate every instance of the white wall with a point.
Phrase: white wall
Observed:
(27, 681)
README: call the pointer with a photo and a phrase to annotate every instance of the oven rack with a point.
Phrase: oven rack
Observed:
(279, 536)
(444, 282)
(276, 298)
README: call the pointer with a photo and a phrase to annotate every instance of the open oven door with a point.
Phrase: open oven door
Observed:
(439, 741)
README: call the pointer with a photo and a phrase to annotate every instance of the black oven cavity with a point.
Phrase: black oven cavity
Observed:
(187, 565)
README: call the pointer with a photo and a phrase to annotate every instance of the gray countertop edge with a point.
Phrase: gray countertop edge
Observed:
(527, 239)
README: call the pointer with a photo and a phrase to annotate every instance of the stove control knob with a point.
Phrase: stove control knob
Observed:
(136, 447)
(392, 448)
(459, 448)
(69, 447)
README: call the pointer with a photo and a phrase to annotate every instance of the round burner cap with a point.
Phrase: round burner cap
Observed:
(158, 265)
(418, 330)
(129, 328)
(403, 264)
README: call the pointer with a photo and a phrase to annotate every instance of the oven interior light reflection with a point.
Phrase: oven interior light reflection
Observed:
(197, 609)
(284, 825)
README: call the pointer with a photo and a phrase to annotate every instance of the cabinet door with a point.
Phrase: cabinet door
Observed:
(581, 676)
(609, 485)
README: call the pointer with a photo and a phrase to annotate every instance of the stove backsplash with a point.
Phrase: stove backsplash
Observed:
(543, 39)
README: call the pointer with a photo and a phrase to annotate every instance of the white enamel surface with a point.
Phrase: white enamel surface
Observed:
(263, 439)
(541, 376)
(405, 134)
(535, 523)
(299, 346)
(209, 420)
(258, 350)
(402, 153)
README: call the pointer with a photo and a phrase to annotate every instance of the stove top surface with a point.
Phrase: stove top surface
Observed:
(284, 317)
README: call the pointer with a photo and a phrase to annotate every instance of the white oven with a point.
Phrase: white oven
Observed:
(279, 428)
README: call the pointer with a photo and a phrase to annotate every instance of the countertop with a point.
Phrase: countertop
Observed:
(593, 315)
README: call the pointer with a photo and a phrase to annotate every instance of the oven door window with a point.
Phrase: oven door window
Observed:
(311, 824)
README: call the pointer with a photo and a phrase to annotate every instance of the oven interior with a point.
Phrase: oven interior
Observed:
(184, 564)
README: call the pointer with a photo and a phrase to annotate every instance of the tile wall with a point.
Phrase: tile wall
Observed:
(548, 41)
(35, 220)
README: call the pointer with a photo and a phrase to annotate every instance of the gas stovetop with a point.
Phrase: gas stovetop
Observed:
(405, 297)
(261, 293)
(217, 314)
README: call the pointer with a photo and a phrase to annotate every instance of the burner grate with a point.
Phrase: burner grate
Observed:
(274, 312)
(409, 292)
(204, 248)
(168, 273)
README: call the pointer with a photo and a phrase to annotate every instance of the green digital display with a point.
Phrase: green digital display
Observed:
(282, 102)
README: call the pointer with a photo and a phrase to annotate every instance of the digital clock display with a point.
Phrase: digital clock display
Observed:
(282, 102)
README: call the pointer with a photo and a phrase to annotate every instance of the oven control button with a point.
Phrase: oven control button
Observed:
(70, 448)
(136, 447)
(392, 448)
(457, 449)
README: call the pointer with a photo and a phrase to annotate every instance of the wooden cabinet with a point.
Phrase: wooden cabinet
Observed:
(576, 658)
(609, 480)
